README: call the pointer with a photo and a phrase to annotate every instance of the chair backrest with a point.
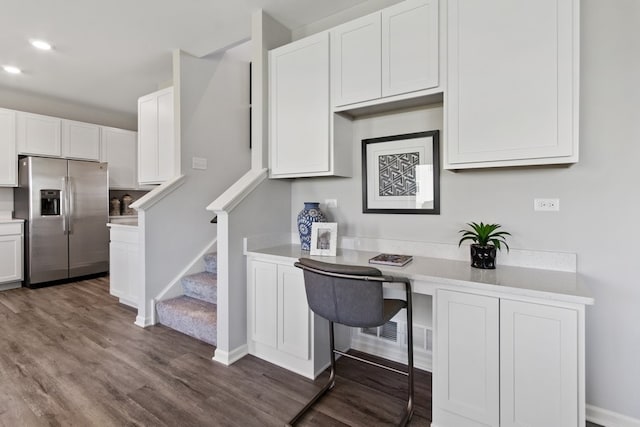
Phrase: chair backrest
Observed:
(353, 301)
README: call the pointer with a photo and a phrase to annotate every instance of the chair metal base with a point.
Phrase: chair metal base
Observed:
(409, 409)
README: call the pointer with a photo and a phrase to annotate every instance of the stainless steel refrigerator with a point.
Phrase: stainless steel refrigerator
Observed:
(65, 204)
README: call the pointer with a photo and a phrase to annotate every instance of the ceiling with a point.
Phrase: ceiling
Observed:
(107, 53)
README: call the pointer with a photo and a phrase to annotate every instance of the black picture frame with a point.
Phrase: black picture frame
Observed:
(392, 174)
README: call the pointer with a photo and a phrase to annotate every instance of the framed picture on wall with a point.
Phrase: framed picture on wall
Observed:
(401, 174)
(324, 238)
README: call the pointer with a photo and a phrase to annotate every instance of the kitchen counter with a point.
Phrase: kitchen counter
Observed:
(425, 272)
(126, 221)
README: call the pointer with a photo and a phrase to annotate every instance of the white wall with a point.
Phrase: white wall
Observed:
(56, 107)
(599, 204)
(214, 124)
(6, 199)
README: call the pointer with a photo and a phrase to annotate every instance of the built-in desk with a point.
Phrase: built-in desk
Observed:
(508, 344)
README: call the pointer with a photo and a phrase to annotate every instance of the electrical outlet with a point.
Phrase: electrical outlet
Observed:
(331, 203)
(547, 205)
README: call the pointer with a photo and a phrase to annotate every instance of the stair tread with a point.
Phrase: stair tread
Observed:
(190, 316)
(205, 278)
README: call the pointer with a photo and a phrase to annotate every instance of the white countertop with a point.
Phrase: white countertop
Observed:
(10, 220)
(123, 225)
(537, 283)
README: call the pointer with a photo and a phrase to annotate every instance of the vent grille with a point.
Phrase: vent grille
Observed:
(389, 331)
(396, 332)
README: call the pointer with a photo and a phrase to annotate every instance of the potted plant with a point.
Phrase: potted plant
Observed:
(487, 240)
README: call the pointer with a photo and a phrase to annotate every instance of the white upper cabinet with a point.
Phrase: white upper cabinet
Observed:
(410, 40)
(356, 60)
(120, 152)
(391, 52)
(299, 108)
(80, 140)
(512, 83)
(38, 135)
(8, 157)
(156, 140)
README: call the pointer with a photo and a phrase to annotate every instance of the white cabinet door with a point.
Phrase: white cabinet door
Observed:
(8, 155)
(512, 86)
(11, 252)
(119, 150)
(410, 41)
(10, 258)
(38, 135)
(263, 302)
(124, 277)
(156, 141)
(293, 313)
(299, 141)
(356, 61)
(80, 140)
(118, 269)
(538, 365)
(467, 357)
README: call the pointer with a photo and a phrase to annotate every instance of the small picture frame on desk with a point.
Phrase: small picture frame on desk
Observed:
(324, 238)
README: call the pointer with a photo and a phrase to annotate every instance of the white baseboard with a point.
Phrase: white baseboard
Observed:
(143, 322)
(608, 418)
(230, 357)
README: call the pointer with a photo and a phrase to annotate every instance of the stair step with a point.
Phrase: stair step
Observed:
(202, 286)
(211, 263)
(190, 316)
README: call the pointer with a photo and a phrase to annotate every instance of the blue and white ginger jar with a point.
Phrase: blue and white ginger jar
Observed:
(307, 216)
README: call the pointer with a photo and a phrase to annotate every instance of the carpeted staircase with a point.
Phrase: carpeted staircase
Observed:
(195, 312)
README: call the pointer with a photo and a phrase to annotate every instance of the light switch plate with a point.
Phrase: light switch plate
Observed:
(199, 163)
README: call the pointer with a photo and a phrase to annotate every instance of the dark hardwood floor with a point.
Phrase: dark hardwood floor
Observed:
(70, 355)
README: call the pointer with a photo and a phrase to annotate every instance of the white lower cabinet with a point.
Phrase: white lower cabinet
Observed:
(281, 327)
(11, 241)
(124, 277)
(538, 365)
(467, 371)
(501, 362)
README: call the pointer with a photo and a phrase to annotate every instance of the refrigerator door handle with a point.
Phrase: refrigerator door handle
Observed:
(64, 207)
(71, 203)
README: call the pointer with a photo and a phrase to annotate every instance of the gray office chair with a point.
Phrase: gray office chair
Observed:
(352, 296)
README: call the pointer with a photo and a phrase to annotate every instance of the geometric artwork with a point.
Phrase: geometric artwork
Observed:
(401, 174)
(398, 174)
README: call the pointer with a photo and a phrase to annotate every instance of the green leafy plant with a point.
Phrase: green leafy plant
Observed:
(485, 235)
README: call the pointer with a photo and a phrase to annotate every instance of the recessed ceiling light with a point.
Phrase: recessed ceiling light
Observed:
(11, 69)
(41, 44)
